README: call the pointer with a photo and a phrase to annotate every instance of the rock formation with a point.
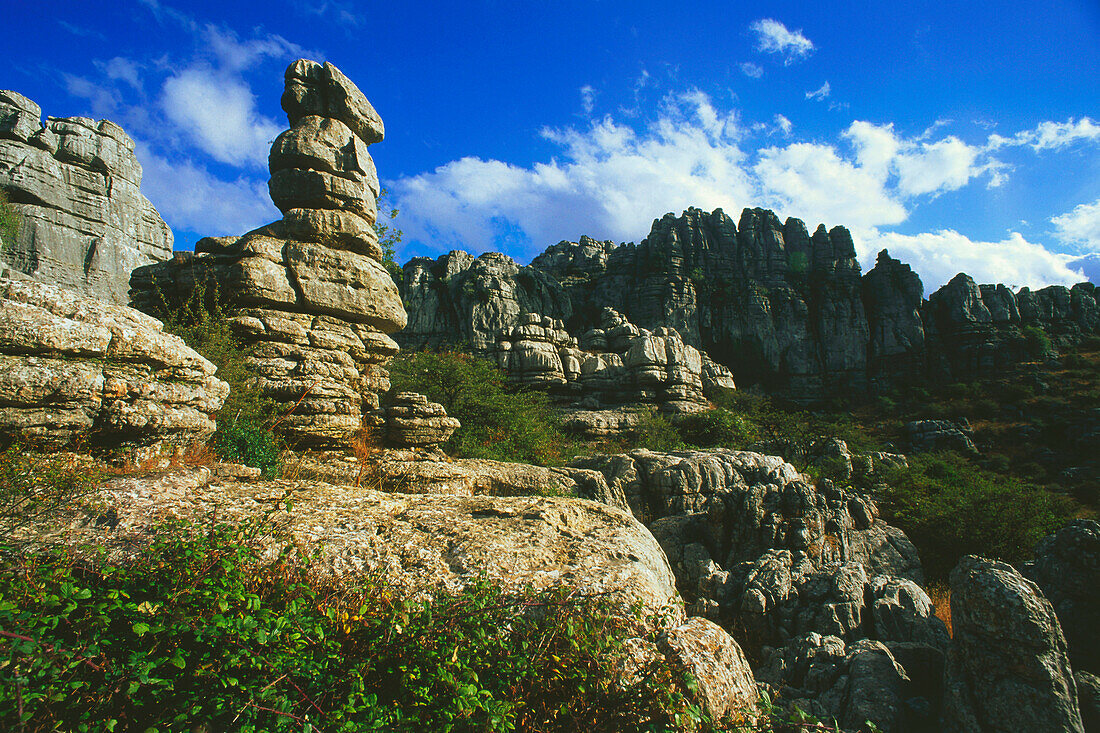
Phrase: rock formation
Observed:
(75, 184)
(1008, 668)
(773, 303)
(413, 422)
(80, 371)
(308, 293)
(615, 364)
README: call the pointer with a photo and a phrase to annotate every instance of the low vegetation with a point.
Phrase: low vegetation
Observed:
(9, 223)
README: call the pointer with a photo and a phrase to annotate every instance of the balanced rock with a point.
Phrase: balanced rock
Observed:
(79, 371)
(308, 293)
(74, 183)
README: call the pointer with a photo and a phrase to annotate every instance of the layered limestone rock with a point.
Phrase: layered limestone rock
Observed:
(78, 371)
(75, 184)
(892, 299)
(413, 422)
(1008, 668)
(617, 363)
(308, 293)
(461, 300)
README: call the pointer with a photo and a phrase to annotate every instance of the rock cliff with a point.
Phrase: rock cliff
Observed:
(308, 293)
(75, 184)
(777, 305)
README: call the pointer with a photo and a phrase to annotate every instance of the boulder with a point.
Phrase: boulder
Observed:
(1007, 668)
(75, 185)
(81, 371)
(1067, 569)
(936, 435)
(412, 421)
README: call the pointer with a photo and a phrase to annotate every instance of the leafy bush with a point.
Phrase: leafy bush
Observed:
(9, 223)
(35, 487)
(1036, 341)
(657, 433)
(950, 508)
(245, 421)
(389, 236)
(497, 423)
(199, 633)
(719, 427)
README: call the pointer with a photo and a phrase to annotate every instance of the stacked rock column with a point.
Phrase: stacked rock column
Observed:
(308, 293)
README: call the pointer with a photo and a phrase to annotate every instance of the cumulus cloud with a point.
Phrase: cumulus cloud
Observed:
(751, 70)
(217, 111)
(1080, 227)
(774, 37)
(122, 69)
(939, 256)
(609, 179)
(191, 198)
(820, 93)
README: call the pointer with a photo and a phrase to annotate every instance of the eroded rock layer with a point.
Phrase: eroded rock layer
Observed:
(308, 293)
(78, 371)
(75, 184)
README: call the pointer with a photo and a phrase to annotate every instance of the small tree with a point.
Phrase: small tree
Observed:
(388, 237)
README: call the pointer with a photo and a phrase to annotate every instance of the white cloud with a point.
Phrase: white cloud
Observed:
(946, 165)
(588, 98)
(1050, 135)
(751, 70)
(774, 37)
(191, 198)
(121, 69)
(819, 94)
(1080, 227)
(783, 125)
(217, 111)
(939, 256)
(235, 55)
(609, 183)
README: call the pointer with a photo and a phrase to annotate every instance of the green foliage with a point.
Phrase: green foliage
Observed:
(716, 428)
(950, 508)
(1036, 341)
(656, 432)
(497, 423)
(9, 223)
(200, 633)
(34, 487)
(389, 236)
(245, 422)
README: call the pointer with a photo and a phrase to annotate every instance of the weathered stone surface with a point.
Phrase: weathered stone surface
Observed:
(421, 544)
(936, 435)
(1007, 669)
(314, 89)
(308, 293)
(75, 184)
(79, 369)
(726, 683)
(1067, 569)
(412, 421)
(892, 298)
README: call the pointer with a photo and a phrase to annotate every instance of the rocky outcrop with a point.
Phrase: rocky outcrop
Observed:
(413, 422)
(308, 293)
(1007, 668)
(461, 300)
(1067, 569)
(776, 305)
(78, 371)
(937, 435)
(75, 184)
(615, 364)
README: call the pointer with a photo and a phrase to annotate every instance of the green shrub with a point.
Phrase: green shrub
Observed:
(36, 487)
(656, 432)
(950, 508)
(245, 422)
(389, 236)
(717, 428)
(1036, 342)
(9, 223)
(201, 633)
(497, 423)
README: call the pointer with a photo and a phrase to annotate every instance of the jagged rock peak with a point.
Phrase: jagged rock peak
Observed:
(75, 184)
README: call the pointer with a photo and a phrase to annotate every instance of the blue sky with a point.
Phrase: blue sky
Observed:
(965, 139)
